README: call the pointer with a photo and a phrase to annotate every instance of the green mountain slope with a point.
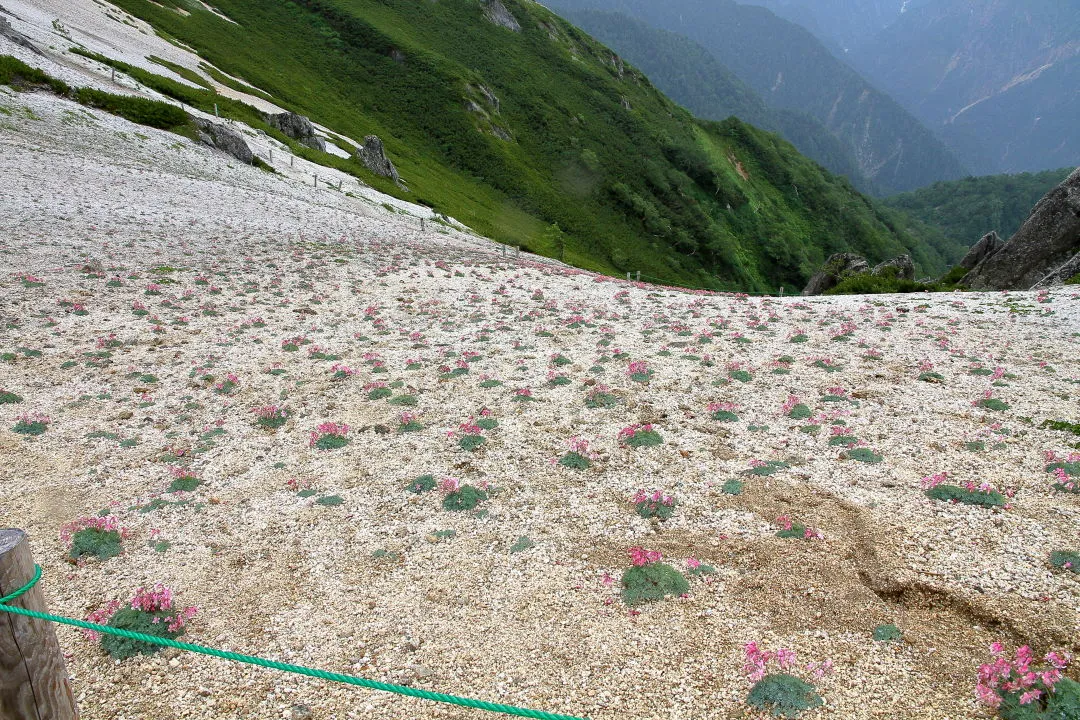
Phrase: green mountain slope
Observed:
(692, 77)
(965, 210)
(514, 131)
(791, 69)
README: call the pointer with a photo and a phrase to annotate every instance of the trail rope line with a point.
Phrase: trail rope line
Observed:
(263, 662)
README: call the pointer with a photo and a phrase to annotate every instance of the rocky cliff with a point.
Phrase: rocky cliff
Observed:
(1048, 240)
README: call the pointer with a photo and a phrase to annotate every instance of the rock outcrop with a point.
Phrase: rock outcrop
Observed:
(899, 267)
(224, 138)
(497, 13)
(374, 158)
(1063, 273)
(989, 244)
(1047, 240)
(10, 33)
(835, 269)
(297, 127)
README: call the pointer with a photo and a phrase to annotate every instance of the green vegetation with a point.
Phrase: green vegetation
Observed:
(523, 543)
(1066, 560)
(651, 582)
(956, 494)
(422, 484)
(783, 695)
(965, 210)
(102, 544)
(575, 461)
(18, 74)
(140, 621)
(464, 498)
(632, 181)
(887, 633)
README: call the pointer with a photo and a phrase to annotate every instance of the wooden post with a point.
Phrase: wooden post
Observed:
(421, 224)
(627, 274)
(215, 111)
(34, 683)
(517, 251)
(271, 156)
(639, 276)
(316, 181)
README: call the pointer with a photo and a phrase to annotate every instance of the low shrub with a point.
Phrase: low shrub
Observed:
(649, 580)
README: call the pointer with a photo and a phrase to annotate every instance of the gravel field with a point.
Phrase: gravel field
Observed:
(230, 261)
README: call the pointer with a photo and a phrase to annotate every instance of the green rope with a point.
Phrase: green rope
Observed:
(263, 662)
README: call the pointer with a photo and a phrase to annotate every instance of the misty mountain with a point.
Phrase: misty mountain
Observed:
(997, 79)
(792, 70)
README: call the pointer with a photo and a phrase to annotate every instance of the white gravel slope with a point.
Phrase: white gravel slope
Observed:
(98, 208)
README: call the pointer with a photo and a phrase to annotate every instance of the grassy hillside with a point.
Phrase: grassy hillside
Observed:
(576, 138)
(965, 210)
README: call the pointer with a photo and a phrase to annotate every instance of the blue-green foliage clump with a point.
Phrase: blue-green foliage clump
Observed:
(1066, 560)
(140, 621)
(771, 467)
(421, 484)
(655, 581)
(783, 695)
(954, 493)
(887, 633)
(732, 487)
(464, 498)
(92, 541)
(1061, 704)
(575, 461)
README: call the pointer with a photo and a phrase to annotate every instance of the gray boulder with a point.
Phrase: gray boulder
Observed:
(297, 127)
(224, 138)
(900, 266)
(989, 244)
(1065, 272)
(835, 269)
(497, 13)
(1048, 239)
(6, 31)
(374, 158)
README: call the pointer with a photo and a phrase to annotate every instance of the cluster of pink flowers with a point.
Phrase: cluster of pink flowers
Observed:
(328, 428)
(158, 599)
(1064, 480)
(578, 445)
(809, 533)
(1003, 676)
(271, 412)
(106, 523)
(228, 384)
(408, 417)
(837, 391)
(342, 368)
(656, 496)
(725, 406)
(449, 485)
(181, 473)
(640, 557)
(298, 340)
(757, 661)
(637, 367)
(523, 392)
(631, 430)
(789, 404)
(932, 481)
